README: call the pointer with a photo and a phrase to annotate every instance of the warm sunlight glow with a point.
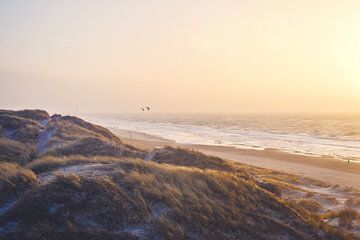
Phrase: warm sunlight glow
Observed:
(179, 119)
(232, 56)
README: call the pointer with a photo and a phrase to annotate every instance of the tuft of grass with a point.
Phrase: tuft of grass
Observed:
(271, 187)
(22, 129)
(351, 202)
(184, 157)
(329, 232)
(14, 180)
(310, 205)
(91, 146)
(310, 194)
(347, 216)
(12, 151)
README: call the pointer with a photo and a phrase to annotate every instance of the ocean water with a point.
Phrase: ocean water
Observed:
(337, 136)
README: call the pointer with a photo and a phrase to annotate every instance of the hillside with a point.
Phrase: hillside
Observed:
(64, 178)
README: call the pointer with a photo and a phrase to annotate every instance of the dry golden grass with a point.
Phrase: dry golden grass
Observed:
(333, 233)
(209, 203)
(14, 180)
(90, 128)
(181, 194)
(345, 216)
(24, 130)
(309, 204)
(204, 202)
(352, 203)
(95, 147)
(12, 151)
(51, 163)
(69, 136)
(29, 114)
(309, 195)
(184, 157)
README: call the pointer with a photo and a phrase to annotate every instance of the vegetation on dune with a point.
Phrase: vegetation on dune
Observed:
(91, 127)
(12, 151)
(184, 157)
(64, 178)
(95, 146)
(51, 163)
(69, 131)
(20, 129)
(26, 135)
(35, 115)
(163, 200)
(345, 216)
(14, 180)
(351, 202)
(332, 233)
(310, 205)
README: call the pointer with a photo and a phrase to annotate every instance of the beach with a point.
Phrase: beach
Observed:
(327, 169)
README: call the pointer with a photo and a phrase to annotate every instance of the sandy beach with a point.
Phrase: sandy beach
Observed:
(326, 169)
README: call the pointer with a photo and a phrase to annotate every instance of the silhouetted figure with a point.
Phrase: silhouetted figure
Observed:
(348, 161)
(148, 108)
(143, 109)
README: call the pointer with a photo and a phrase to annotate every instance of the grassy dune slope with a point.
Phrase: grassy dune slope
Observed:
(88, 185)
(26, 135)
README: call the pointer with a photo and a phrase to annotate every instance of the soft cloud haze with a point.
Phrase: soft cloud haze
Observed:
(180, 56)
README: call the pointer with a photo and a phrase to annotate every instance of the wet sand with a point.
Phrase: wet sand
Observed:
(326, 169)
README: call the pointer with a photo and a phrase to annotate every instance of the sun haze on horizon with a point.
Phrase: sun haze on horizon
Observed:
(203, 56)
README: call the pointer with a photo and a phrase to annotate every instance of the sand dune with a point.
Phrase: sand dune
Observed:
(325, 169)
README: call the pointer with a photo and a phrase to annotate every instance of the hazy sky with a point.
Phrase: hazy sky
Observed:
(180, 56)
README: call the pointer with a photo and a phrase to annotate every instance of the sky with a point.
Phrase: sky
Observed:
(201, 56)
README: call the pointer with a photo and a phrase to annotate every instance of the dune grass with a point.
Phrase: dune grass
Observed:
(22, 129)
(91, 146)
(346, 216)
(35, 115)
(180, 194)
(12, 151)
(14, 179)
(163, 200)
(172, 200)
(51, 163)
(310, 205)
(185, 157)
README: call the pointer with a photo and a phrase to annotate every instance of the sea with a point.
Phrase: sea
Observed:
(336, 136)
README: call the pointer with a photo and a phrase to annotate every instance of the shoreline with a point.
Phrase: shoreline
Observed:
(323, 168)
